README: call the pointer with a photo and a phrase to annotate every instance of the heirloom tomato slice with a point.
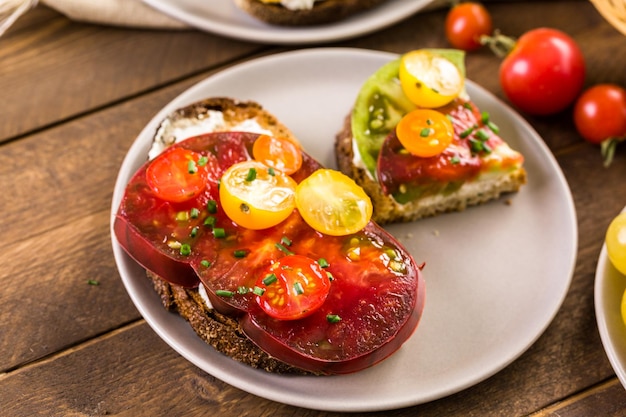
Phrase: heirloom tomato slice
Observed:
(278, 153)
(177, 174)
(293, 287)
(332, 203)
(255, 197)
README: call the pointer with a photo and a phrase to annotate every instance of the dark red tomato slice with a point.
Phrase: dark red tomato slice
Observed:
(293, 287)
(374, 302)
(178, 174)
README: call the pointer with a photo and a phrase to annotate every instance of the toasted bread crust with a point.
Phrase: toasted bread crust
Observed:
(326, 11)
(223, 333)
(387, 210)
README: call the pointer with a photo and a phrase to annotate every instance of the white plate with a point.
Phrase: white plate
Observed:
(495, 274)
(224, 18)
(609, 287)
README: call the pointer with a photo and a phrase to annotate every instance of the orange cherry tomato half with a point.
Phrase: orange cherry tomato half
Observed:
(293, 287)
(178, 174)
(278, 153)
(425, 132)
(254, 198)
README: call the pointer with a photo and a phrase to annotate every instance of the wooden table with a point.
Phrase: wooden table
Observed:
(75, 96)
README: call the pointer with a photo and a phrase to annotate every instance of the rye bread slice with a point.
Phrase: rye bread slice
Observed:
(221, 332)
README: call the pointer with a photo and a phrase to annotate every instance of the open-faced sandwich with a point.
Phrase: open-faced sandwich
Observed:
(419, 146)
(271, 258)
(304, 12)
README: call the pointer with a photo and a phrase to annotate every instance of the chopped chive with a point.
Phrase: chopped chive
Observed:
(429, 122)
(185, 249)
(323, 263)
(484, 117)
(270, 279)
(243, 290)
(93, 282)
(224, 293)
(271, 171)
(258, 291)
(487, 148)
(285, 241)
(455, 160)
(191, 167)
(333, 318)
(468, 106)
(240, 253)
(219, 233)
(205, 263)
(298, 288)
(330, 276)
(476, 145)
(494, 128)
(210, 221)
(467, 132)
(425, 132)
(283, 249)
(251, 174)
(482, 135)
(194, 213)
(203, 161)
(211, 206)
(194, 232)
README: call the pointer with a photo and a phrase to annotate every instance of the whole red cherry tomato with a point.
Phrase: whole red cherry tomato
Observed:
(466, 23)
(544, 72)
(600, 113)
(600, 117)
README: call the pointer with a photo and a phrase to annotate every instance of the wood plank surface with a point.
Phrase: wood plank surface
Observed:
(114, 63)
(71, 348)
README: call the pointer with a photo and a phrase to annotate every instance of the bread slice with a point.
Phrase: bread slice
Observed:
(221, 332)
(387, 210)
(324, 11)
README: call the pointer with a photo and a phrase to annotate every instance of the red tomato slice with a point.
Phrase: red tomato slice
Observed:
(293, 287)
(178, 174)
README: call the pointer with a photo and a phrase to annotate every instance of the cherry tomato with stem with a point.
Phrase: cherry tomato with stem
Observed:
(293, 287)
(600, 117)
(542, 72)
(466, 23)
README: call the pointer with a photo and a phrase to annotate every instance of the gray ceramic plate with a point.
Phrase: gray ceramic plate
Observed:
(495, 274)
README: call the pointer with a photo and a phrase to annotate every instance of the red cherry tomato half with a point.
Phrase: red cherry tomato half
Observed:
(466, 23)
(178, 174)
(544, 72)
(293, 287)
(600, 113)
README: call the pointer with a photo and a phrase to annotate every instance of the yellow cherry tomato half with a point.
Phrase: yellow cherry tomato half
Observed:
(615, 240)
(256, 198)
(429, 80)
(278, 153)
(332, 203)
(425, 132)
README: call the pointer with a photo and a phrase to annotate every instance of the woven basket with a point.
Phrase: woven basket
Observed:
(614, 11)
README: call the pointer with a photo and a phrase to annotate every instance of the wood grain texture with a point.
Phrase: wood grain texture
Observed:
(60, 69)
(74, 349)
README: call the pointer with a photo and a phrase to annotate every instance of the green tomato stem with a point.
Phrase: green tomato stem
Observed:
(501, 45)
